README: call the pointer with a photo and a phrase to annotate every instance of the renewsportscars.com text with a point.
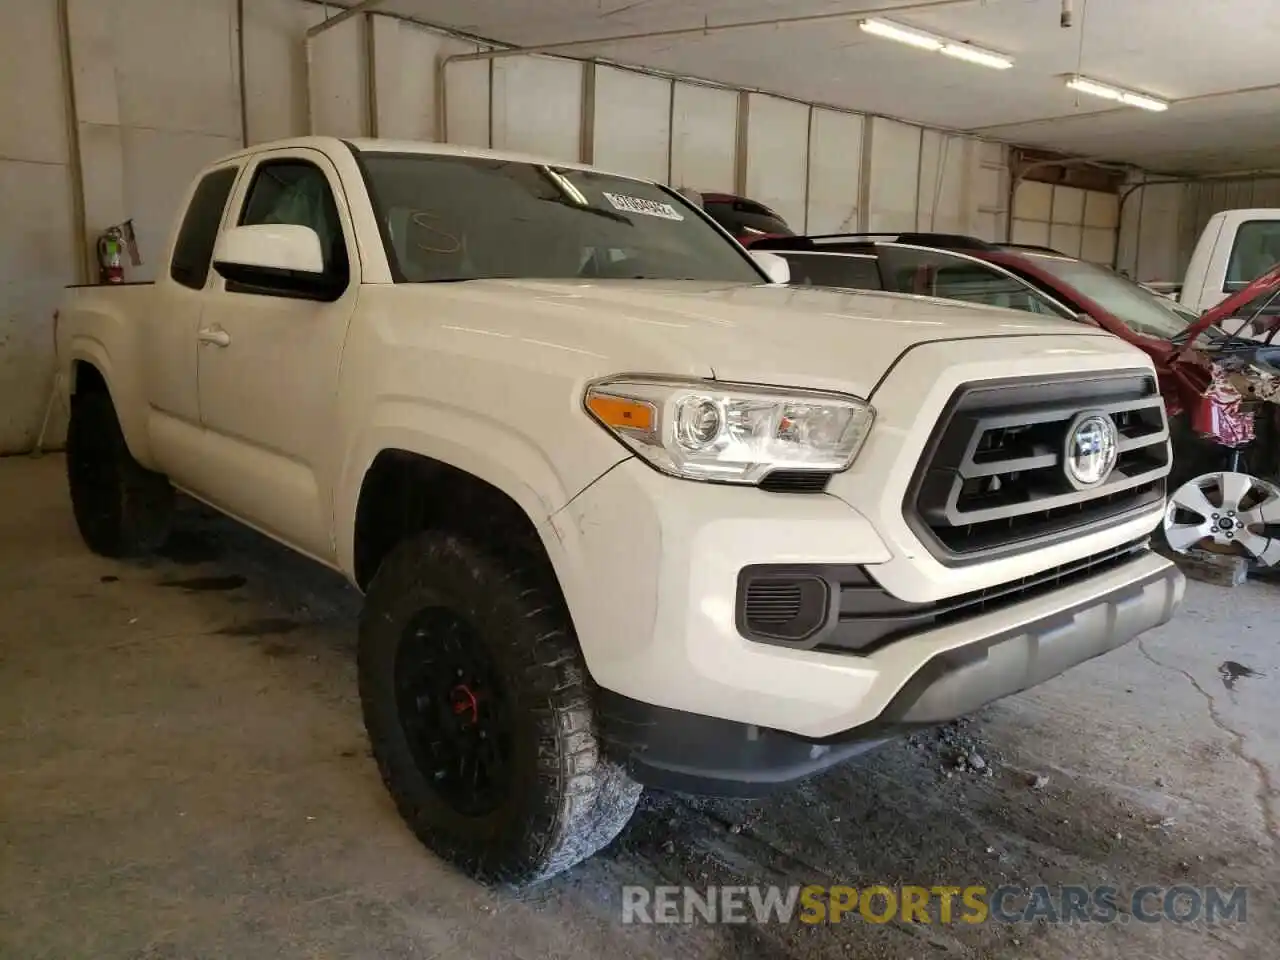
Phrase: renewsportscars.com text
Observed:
(934, 904)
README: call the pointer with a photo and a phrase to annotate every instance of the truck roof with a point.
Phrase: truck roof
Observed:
(379, 145)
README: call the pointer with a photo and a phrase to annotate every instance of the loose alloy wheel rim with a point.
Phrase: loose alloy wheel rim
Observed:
(1226, 511)
(454, 712)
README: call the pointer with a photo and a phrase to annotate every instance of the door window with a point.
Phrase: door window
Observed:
(297, 192)
(1255, 251)
(193, 248)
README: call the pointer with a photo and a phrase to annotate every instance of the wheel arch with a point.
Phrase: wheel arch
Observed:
(89, 368)
(408, 484)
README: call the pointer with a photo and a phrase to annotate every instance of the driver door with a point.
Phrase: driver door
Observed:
(268, 363)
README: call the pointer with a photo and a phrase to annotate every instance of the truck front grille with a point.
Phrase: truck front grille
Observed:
(993, 478)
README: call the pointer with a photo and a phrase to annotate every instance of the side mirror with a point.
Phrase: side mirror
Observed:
(279, 258)
(776, 267)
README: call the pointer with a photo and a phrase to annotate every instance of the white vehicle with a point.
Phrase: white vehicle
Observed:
(623, 511)
(1235, 248)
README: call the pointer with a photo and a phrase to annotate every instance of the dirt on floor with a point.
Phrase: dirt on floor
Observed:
(183, 774)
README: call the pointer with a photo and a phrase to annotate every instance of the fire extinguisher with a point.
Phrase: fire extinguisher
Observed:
(111, 255)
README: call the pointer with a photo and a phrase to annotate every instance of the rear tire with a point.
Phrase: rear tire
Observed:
(479, 711)
(122, 509)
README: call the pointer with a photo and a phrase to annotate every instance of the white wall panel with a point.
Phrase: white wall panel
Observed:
(38, 249)
(34, 123)
(337, 80)
(988, 226)
(778, 155)
(1157, 254)
(1101, 210)
(157, 168)
(945, 174)
(1066, 237)
(631, 123)
(275, 67)
(537, 106)
(704, 135)
(989, 193)
(1033, 200)
(1098, 245)
(1127, 234)
(175, 64)
(1035, 232)
(404, 66)
(835, 171)
(895, 175)
(1080, 223)
(1068, 205)
(36, 261)
(467, 102)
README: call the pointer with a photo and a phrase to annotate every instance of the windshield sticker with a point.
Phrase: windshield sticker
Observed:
(647, 208)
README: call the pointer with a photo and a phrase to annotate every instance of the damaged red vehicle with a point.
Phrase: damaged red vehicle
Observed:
(1218, 373)
(1224, 492)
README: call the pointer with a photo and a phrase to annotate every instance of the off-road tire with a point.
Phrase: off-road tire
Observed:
(564, 800)
(122, 509)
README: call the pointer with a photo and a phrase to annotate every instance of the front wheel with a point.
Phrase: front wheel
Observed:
(479, 712)
(122, 509)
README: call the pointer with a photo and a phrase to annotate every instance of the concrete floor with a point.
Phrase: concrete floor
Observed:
(183, 773)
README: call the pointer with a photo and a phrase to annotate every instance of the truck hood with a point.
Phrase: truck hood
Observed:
(795, 336)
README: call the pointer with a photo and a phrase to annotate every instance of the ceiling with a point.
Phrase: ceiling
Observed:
(1221, 70)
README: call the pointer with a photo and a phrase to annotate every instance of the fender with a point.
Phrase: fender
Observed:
(124, 389)
(488, 450)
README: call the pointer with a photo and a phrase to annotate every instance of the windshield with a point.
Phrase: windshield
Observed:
(1135, 306)
(466, 218)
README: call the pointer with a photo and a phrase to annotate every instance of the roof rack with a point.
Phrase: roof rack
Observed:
(950, 241)
(1036, 247)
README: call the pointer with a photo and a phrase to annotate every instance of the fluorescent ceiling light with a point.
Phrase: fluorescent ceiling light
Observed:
(927, 41)
(1108, 92)
(891, 31)
(1143, 101)
(972, 54)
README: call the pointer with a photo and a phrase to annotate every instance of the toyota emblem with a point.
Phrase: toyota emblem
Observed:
(1093, 444)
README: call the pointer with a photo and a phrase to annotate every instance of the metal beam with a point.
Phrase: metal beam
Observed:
(364, 6)
(706, 29)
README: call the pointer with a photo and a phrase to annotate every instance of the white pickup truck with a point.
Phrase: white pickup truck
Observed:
(623, 510)
(1234, 249)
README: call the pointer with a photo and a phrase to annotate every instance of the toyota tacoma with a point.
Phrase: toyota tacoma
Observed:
(624, 509)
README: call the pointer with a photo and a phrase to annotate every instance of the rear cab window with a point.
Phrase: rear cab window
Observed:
(193, 248)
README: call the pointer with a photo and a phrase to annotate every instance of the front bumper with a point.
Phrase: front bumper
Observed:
(676, 750)
(650, 566)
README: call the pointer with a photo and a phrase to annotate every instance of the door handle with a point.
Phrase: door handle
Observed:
(215, 335)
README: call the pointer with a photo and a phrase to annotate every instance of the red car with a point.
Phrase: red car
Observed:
(943, 265)
(1042, 280)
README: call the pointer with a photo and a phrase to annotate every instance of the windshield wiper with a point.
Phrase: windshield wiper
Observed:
(607, 214)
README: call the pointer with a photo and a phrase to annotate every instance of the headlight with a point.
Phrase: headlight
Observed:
(705, 430)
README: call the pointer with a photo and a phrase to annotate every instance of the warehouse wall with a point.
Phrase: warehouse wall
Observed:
(822, 169)
(1163, 221)
(107, 112)
(38, 243)
(150, 93)
(1080, 223)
